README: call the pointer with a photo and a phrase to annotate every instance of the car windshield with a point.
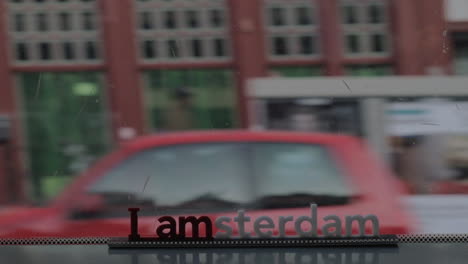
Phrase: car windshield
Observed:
(212, 107)
(233, 173)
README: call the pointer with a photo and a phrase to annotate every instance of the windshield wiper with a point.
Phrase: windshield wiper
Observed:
(299, 200)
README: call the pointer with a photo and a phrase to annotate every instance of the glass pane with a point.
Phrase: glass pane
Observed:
(91, 50)
(170, 20)
(303, 168)
(377, 43)
(146, 20)
(220, 47)
(22, 52)
(172, 49)
(66, 126)
(199, 159)
(65, 21)
(20, 23)
(304, 16)
(350, 14)
(149, 50)
(192, 18)
(216, 18)
(375, 14)
(45, 51)
(69, 50)
(88, 21)
(191, 99)
(278, 16)
(353, 43)
(197, 49)
(280, 46)
(460, 50)
(42, 23)
(307, 45)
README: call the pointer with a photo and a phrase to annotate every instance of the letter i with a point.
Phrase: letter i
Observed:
(134, 235)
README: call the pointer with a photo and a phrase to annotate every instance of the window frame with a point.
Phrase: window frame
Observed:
(365, 29)
(55, 33)
(292, 31)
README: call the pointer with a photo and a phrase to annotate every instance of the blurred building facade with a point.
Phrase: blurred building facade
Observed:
(80, 76)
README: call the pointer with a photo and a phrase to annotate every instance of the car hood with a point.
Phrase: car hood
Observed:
(13, 219)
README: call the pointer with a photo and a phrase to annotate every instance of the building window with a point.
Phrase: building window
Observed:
(375, 14)
(278, 16)
(353, 43)
(91, 50)
(350, 14)
(304, 16)
(365, 28)
(216, 18)
(460, 53)
(307, 45)
(20, 22)
(185, 30)
(146, 20)
(42, 22)
(65, 21)
(45, 52)
(57, 32)
(172, 49)
(149, 50)
(53, 125)
(22, 52)
(280, 46)
(193, 18)
(196, 48)
(212, 104)
(68, 50)
(292, 29)
(377, 43)
(88, 21)
(170, 20)
(219, 47)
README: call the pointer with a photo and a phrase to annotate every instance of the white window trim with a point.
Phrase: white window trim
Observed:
(183, 33)
(291, 30)
(55, 35)
(365, 29)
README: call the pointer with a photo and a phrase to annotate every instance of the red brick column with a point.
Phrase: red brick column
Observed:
(421, 41)
(407, 36)
(331, 36)
(12, 173)
(436, 42)
(124, 86)
(249, 48)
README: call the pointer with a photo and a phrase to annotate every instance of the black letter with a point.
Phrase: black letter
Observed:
(171, 226)
(195, 226)
(134, 236)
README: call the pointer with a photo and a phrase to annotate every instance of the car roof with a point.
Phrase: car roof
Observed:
(191, 137)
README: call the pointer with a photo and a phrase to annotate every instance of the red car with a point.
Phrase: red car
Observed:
(215, 174)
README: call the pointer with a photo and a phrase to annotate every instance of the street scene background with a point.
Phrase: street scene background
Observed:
(80, 78)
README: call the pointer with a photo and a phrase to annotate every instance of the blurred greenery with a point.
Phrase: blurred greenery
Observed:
(53, 185)
(369, 70)
(66, 124)
(298, 71)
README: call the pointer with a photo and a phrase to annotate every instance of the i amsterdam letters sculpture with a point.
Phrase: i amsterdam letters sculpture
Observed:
(263, 226)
